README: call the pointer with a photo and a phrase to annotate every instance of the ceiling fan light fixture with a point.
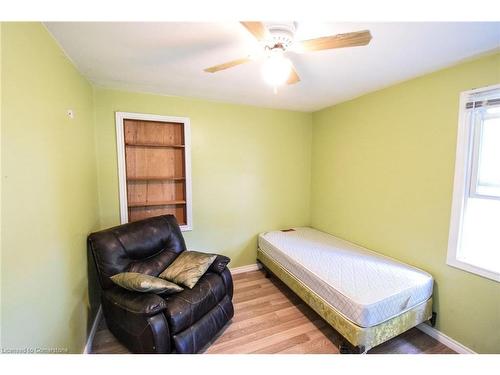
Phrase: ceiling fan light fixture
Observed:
(276, 69)
(276, 38)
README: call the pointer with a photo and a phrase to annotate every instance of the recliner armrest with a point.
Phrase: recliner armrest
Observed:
(137, 303)
(219, 264)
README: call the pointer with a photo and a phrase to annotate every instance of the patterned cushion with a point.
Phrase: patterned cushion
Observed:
(188, 267)
(138, 282)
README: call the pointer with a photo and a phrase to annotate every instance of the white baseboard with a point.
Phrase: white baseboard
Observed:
(248, 268)
(444, 339)
(93, 330)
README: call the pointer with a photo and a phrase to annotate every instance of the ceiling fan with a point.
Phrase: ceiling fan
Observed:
(278, 38)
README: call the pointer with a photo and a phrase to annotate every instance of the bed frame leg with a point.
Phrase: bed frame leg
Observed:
(267, 273)
(346, 348)
(433, 319)
(360, 349)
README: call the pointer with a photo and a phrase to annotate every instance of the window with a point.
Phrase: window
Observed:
(474, 241)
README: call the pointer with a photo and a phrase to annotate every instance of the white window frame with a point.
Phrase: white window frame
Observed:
(122, 172)
(462, 186)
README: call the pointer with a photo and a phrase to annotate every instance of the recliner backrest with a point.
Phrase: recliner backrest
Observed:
(146, 246)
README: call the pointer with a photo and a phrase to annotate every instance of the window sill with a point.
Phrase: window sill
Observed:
(489, 274)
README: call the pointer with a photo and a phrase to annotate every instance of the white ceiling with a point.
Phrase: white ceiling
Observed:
(169, 58)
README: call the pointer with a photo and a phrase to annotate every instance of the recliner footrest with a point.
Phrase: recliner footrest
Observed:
(197, 336)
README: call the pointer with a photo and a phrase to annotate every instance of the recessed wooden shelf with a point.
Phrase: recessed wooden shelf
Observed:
(155, 178)
(154, 145)
(162, 203)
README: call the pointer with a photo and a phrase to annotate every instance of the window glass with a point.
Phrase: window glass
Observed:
(489, 158)
(480, 243)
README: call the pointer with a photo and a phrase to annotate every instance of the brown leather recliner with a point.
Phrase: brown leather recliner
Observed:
(148, 323)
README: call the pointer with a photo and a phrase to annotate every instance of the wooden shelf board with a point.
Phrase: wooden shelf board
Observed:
(153, 145)
(162, 203)
(155, 178)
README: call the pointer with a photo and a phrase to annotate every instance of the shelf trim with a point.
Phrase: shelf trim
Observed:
(153, 145)
(160, 203)
(155, 178)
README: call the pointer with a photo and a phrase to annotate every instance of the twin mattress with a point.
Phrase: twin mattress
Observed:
(366, 287)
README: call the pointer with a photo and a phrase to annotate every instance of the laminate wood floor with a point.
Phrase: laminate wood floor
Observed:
(269, 318)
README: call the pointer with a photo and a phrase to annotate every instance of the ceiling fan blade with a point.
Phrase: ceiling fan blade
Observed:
(358, 38)
(257, 29)
(294, 77)
(229, 64)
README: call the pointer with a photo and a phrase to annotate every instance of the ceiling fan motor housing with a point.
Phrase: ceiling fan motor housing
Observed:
(281, 35)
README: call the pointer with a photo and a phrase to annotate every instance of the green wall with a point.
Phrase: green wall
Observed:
(382, 177)
(250, 168)
(49, 192)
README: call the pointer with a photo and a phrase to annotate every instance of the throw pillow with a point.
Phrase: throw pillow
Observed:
(188, 268)
(138, 282)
